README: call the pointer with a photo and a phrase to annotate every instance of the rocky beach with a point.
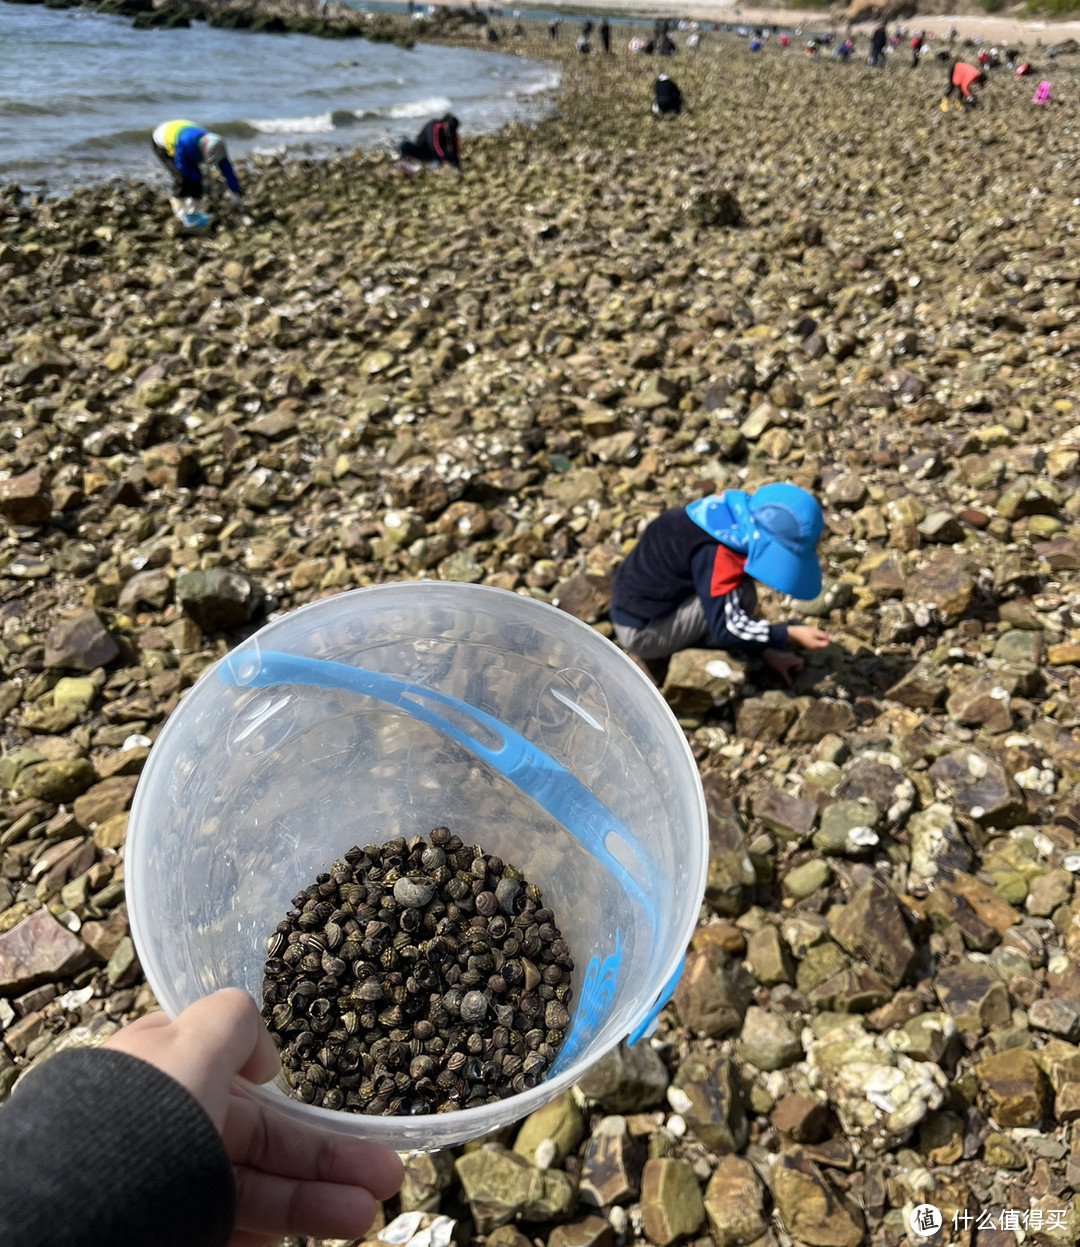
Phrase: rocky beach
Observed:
(811, 275)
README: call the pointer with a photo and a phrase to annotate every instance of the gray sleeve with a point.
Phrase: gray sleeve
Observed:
(100, 1149)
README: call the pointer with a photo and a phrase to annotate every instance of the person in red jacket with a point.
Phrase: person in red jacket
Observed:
(962, 77)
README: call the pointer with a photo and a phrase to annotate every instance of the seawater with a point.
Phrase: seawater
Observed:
(81, 92)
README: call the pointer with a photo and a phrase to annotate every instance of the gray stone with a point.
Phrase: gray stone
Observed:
(561, 1122)
(80, 642)
(499, 1186)
(627, 1079)
(713, 993)
(872, 927)
(980, 786)
(847, 828)
(611, 1166)
(767, 1040)
(791, 818)
(671, 1204)
(735, 1203)
(972, 995)
(712, 1107)
(218, 598)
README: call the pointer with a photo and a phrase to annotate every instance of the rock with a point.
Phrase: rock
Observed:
(218, 598)
(1014, 1087)
(923, 1038)
(104, 801)
(872, 927)
(803, 1118)
(982, 703)
(1002, 1152)
(710, 1103)
(151, 590)
(809, 1208)
(734, 1203)
(938, 847)
(80, 641)
(611, 1166)
(847, 827)
(123, 968)
(921, 689)
(972, 995)
(791, 818)
(427, 1176)
(699, 679)
(1057, 1017)
(767, 1041)
(818, 718)
(585, 597)
(713, 993)
(768, 958)
(55, 781)
(980, 786)
(25, 499)
(76, 693)
(499, 1186)
(878, 1094)
(803, 881)
(945, 584)
(560, 1121)
(765, 718)
(941, 1138)
(38, 950)
(878, 778)
(671, 1204)
(627, 1079)
(588, 1232)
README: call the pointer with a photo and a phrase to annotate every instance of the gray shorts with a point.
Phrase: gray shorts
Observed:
(662, 637)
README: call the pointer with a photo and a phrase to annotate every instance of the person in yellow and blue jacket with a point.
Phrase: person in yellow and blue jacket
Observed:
(184, 148)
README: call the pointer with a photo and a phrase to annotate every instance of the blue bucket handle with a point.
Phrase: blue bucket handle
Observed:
(648, 1023)
(539, 776)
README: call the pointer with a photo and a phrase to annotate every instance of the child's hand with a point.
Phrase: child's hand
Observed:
(783, 662)
(807, 637)
(289, 1179)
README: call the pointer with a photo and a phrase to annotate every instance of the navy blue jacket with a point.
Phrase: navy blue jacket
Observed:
(675, 558)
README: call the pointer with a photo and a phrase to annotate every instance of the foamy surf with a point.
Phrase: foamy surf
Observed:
(321, 123)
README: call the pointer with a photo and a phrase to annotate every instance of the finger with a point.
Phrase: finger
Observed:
(271, 1205)
(228, 1024)
(137, 1030)
(261, 1139)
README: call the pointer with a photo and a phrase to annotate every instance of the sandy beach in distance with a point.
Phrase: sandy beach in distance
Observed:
(994, 29)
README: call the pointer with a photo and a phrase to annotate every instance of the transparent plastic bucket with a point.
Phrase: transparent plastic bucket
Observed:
(389, 711)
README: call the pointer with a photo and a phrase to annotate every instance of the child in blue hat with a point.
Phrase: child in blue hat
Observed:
(690, 579)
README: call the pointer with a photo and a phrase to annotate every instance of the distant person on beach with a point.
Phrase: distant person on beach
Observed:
(916, 49)
(583, 45)
(962, 77)
(153, 1140)
(605, 35)
(667, 98)
(437, 143)
(553, 28)
(877, 47)
(184, 148)
(690, 580)
(843, 51)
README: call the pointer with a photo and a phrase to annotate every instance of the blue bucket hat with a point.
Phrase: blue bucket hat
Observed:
(777, 528)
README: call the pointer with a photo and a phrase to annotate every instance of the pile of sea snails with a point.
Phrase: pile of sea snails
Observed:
(417, 976)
